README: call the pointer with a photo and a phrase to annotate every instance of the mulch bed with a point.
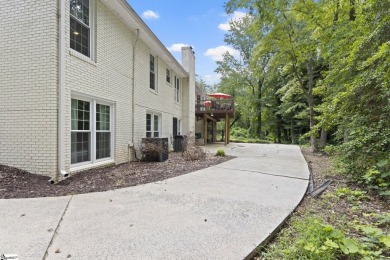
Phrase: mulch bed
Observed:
(15, 183)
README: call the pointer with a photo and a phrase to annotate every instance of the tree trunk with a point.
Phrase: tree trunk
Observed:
(352, 11)
(323, 138)
(259, 88)
(279, 123)
(310, 97)
(336, 14)
(293, 141)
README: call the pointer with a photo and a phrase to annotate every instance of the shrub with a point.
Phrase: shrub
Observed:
(220, 152)
(193, 152)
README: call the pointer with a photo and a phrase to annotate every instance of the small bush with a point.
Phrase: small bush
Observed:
(193, 152)
(220, 152)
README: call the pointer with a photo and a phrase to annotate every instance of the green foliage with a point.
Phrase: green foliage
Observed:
(351, 195)
(239, 132)
(242, 135)
(378, 177)
(324, 67)
(311, 238)
(220, 152)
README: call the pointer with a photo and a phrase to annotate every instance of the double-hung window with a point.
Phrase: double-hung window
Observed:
(177, 89)
(80, 26)
(153, 122)
(91, 131)
(168, 76)
(152, 72)
(103, 132)
(81, 131)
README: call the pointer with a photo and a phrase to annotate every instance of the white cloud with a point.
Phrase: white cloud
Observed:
(217, 53)
(176, 47)
(212, 79)
(149, 15)
(237, 15)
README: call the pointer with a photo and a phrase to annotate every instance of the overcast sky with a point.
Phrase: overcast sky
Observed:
(200, 24)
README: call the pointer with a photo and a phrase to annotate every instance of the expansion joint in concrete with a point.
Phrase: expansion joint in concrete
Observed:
(266, 173)
(55, 233)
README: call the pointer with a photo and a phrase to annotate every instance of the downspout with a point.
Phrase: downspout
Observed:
(132, 97)
(61, 92)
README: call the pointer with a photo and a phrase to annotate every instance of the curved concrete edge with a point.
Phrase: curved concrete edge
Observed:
(184, 202)
(272, 235)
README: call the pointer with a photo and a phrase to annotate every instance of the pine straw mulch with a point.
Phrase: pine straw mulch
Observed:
(15, 183)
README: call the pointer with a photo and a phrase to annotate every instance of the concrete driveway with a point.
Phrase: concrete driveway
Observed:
(222, 212)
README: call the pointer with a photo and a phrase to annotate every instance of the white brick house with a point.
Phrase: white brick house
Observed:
(82, 81)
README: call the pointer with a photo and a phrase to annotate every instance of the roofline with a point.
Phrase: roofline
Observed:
(151, 34)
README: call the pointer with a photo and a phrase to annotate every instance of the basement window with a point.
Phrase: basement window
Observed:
(91, 131)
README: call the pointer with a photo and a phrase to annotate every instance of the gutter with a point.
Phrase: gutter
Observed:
(61, 93)
(133, 95)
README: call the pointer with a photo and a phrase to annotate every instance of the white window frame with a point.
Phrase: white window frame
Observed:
(92, 12)
(177, 95)
(155, 67)
(152, 125)
(92, 146)
(168, 74)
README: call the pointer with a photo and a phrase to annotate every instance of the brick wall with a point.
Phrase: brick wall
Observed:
(28, 85)
(28, 82)
(109, 77)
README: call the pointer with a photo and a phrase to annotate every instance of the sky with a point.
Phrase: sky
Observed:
(201, 24)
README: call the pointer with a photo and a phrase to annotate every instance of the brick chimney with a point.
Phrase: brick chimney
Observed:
(188, 63)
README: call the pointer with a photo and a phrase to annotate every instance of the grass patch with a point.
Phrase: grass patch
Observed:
(234, 139)
(220, 152)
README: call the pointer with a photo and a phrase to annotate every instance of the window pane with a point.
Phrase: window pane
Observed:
(155, 126)
(151, 63)
(152, 81)
(168, 76)
(102, 117)
(79, 37)
(80, 10)
(148, 122)
(80, 147)
(80, 114)
(103, 142)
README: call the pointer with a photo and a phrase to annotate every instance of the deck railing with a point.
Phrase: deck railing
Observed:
(214, 105)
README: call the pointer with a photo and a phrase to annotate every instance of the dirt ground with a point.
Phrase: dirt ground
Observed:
(322, 170)
(15, 183)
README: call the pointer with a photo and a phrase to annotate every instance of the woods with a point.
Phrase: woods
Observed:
(315, 72)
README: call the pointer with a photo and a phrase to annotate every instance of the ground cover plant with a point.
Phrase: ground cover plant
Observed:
(347, 221)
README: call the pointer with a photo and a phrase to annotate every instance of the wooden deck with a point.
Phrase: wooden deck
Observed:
(215, 108)
(212, 111)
